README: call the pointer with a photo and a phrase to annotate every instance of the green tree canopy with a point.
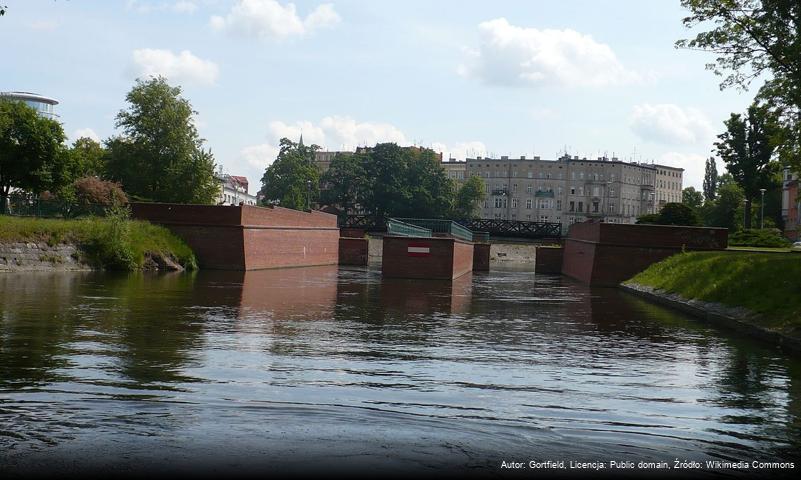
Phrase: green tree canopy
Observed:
(756, 39)
(31, 150)
(692, 197)
(159, 156)
(292, 180)
(678, 214)
(747, 150)
(710, 179)
(723, 211)
(345, 182)
(469, 197)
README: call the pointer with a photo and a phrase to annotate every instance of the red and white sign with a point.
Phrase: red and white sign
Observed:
(416, 249)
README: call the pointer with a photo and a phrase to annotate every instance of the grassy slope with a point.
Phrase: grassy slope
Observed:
(765, 283)
(143, 237)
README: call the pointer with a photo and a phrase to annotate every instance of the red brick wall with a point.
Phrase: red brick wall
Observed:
(548, 260)
(352, 251)
(248, 237)
(462, 258)
(481, 257)
(607, 254)
(445, 261)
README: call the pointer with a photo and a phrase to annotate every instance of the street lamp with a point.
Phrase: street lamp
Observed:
(745, 212)
(762, 208)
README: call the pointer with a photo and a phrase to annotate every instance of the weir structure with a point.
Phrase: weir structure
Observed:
(430, 249)
(246, 237)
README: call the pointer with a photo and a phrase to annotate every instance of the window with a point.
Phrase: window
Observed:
(514, 187)
(528, 204)
(581, 191)
(528, 189)
(498, 202)
(581, 207)
(530, 174)
(572, 206)
(595, 191)
(595, 207)
(558, 204)
(514, 203)
(572, 190)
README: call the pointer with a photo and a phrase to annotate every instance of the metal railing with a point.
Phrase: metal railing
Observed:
(447, 227)
(23, 207)
(398, 227)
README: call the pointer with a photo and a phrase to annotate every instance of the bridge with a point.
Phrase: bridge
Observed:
(494, 227)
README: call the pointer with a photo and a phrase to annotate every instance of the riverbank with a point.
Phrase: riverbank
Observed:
(755, 293)
(113, 243)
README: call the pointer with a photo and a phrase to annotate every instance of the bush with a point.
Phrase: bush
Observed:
(678, 214)
(648, 219)
(94, 191)
(766, 237)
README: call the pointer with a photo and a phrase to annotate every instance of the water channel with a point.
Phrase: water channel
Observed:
(319, 368)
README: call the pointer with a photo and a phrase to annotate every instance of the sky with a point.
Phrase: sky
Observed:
(465, 78)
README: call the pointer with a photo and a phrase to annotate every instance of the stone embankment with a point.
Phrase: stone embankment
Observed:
(38, 257)
(733, 318)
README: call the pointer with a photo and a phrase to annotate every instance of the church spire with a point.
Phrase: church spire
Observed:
(300, 142)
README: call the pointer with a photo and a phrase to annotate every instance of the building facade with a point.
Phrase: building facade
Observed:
(791, 204)
(456, 170)
(668, 185)
(234, 190)
(44, 106)
(568, 190)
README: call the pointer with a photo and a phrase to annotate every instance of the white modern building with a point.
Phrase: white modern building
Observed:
(43, 105)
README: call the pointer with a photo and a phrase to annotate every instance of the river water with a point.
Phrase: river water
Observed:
(319, 369)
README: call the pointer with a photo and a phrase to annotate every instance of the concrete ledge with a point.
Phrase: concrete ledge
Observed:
(732, 318)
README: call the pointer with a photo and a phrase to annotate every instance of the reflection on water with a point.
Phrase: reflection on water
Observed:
(280, 368)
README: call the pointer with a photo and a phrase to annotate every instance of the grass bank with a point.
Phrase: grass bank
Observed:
(115, 242)
(765, 284)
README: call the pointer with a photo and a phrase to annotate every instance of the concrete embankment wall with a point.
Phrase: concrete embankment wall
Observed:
(518, 253)
(36, 257)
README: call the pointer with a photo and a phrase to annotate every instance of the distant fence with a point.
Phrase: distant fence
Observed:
(447, 227)
(399, 227)
(482, 227)
(23, 207)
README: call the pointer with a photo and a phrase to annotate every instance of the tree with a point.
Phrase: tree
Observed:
(710, 179)
(292, 180)
(468, 198)
(723, 211)
(691, 197)
(345, 182)
(31, 150)
(674, 213)
(753, 39)
(746, 149)
(159, 156)
(89, 157)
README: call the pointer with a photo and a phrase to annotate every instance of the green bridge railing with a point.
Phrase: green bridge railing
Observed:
(440, 226)
(398, 227)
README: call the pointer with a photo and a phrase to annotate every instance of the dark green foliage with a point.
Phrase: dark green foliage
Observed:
(678, 214)
(292, 180)
(723, 211)
(159, 156)
(345, 182)
(32, 156)
(468, 198)
(755, 39)
(691, 197)
(648, 219)
(710, 179)
(766, 237)
(388, 180)
(747, 150)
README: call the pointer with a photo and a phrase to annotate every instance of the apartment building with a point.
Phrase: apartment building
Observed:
(668, 185)
(567, 190)
(456, 170)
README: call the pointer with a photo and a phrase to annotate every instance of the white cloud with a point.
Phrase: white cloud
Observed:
(692, 163)
(43, 25)
(270, 19)
(181, 6)
(512, 55)
(181, 67)
(460, 151)
(670, 124)
(85, 132)
(260, 156)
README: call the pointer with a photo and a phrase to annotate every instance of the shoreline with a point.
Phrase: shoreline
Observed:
(737, 319)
